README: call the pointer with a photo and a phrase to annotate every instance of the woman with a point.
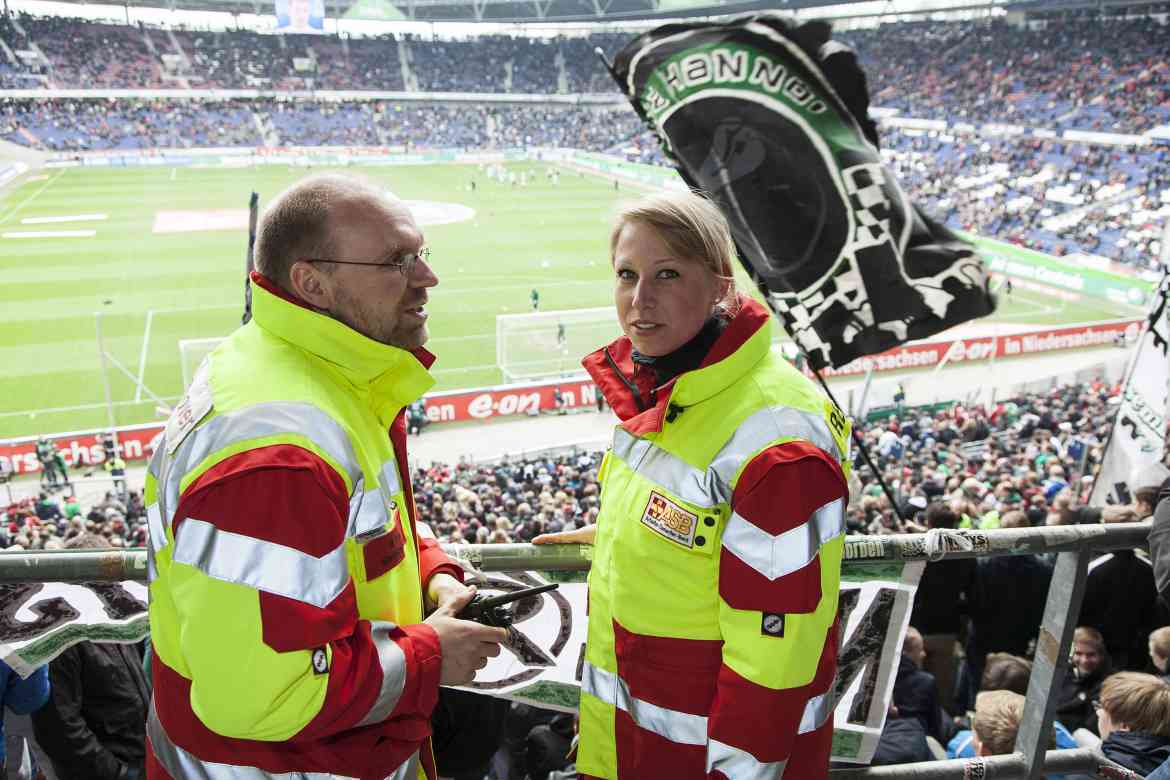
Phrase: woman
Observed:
(713, 591)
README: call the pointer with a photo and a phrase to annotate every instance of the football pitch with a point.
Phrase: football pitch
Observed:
(158, 253)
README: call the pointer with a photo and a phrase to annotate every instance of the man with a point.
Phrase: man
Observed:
(1019, 580)
(288, 576)
(1087, 668)
(915, 691)
(93, 724)
(1121, 600)
(942, 591)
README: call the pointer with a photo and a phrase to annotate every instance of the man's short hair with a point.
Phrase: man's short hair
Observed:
(1160, 641)
(87, 541)
(997, 720)
(1006, 672)
(296, 225)
(1014, 519)
(939, 515)
(1090, 636)
(1147, 495)
(1140, 702)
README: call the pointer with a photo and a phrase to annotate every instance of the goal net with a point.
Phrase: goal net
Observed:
(191, 354)
(551, 343)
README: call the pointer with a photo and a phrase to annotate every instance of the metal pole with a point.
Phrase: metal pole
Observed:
(1013, 765)
(118, 565)
(1061, 612)
(106, 379)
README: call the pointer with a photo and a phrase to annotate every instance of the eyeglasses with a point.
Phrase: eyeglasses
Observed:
(405, 263)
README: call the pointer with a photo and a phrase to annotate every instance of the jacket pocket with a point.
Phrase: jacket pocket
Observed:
(382, 553)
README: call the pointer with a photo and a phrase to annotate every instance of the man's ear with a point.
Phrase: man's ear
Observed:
(311, 285)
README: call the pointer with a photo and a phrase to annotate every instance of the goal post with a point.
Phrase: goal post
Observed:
(551, 343)
(191, 354)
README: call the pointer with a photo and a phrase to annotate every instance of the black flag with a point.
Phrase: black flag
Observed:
(770, 120)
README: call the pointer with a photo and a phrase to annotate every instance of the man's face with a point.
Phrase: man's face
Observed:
(380, 303)
(1086, 658)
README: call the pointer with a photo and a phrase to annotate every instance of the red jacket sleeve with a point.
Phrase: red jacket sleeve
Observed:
(778, 594)
(285, 495)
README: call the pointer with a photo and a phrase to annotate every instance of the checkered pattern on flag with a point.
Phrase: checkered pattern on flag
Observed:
(770, 121)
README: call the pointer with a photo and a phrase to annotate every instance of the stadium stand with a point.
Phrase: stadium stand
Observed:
(1118, 80)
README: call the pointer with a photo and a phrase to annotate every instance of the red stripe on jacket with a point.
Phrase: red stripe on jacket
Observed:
(779, 490)
(371, 753)
(258, 493)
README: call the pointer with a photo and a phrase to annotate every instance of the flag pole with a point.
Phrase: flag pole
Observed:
(249, 264)
(759, 284)
(1151, 320)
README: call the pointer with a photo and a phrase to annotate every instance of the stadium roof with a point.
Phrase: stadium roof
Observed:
(611, 11)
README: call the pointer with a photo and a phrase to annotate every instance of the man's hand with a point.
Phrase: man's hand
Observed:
(443, 590)
(466, 645)
(584, 535)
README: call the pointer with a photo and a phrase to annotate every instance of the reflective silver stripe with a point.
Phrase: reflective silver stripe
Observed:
(673, 473)
(408, 770)
(254, 422)
(739, 764)
(367, 511)
(390, 484)
(682, 727)
(155, 464)
(156, 538)
(711, 487)
(766, 426)
(775, 555)
(816, 712)
(266, 566)
(393, 662)
(156, 532)
(181, 764)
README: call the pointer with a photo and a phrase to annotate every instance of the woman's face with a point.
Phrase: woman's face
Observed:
(662, 300)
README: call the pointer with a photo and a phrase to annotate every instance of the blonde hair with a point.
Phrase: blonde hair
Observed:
(1140, 702)
(693, 228)
(997, 720)
(1160, 641)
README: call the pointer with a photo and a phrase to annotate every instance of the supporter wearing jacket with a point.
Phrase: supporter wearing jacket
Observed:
(287, 574)
(21, 695)
(713, 590)
(1087, 669)
(1134, 716)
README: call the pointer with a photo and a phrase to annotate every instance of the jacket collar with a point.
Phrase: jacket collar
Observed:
(744, 342)
(390, 373)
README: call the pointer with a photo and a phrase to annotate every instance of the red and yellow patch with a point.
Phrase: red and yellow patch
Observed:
(670, 520)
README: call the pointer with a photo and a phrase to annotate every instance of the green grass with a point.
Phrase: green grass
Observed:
(550, 238)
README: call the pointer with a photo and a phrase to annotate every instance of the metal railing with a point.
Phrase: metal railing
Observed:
(1073, 546)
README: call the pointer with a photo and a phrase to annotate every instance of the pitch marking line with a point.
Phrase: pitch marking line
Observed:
(51, 234)
(69, 218)
(16, 209)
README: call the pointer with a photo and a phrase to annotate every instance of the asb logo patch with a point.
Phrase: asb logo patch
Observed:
(668, 519)
(772, 624)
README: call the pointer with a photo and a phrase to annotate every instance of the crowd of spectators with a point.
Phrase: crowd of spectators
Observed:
(1050, 195)
(77, 125)
(1026, 461)
(1076, 70)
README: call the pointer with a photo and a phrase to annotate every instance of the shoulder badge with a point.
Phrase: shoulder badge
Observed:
(196, 403)
(772, 624)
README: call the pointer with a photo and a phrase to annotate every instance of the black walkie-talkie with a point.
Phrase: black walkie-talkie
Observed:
(494, 610)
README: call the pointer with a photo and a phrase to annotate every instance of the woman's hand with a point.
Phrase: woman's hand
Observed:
(584, 535)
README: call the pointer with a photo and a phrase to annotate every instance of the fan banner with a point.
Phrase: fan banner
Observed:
(541, 663)
(746, 113)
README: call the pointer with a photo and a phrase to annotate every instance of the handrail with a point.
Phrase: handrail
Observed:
(119, 565)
